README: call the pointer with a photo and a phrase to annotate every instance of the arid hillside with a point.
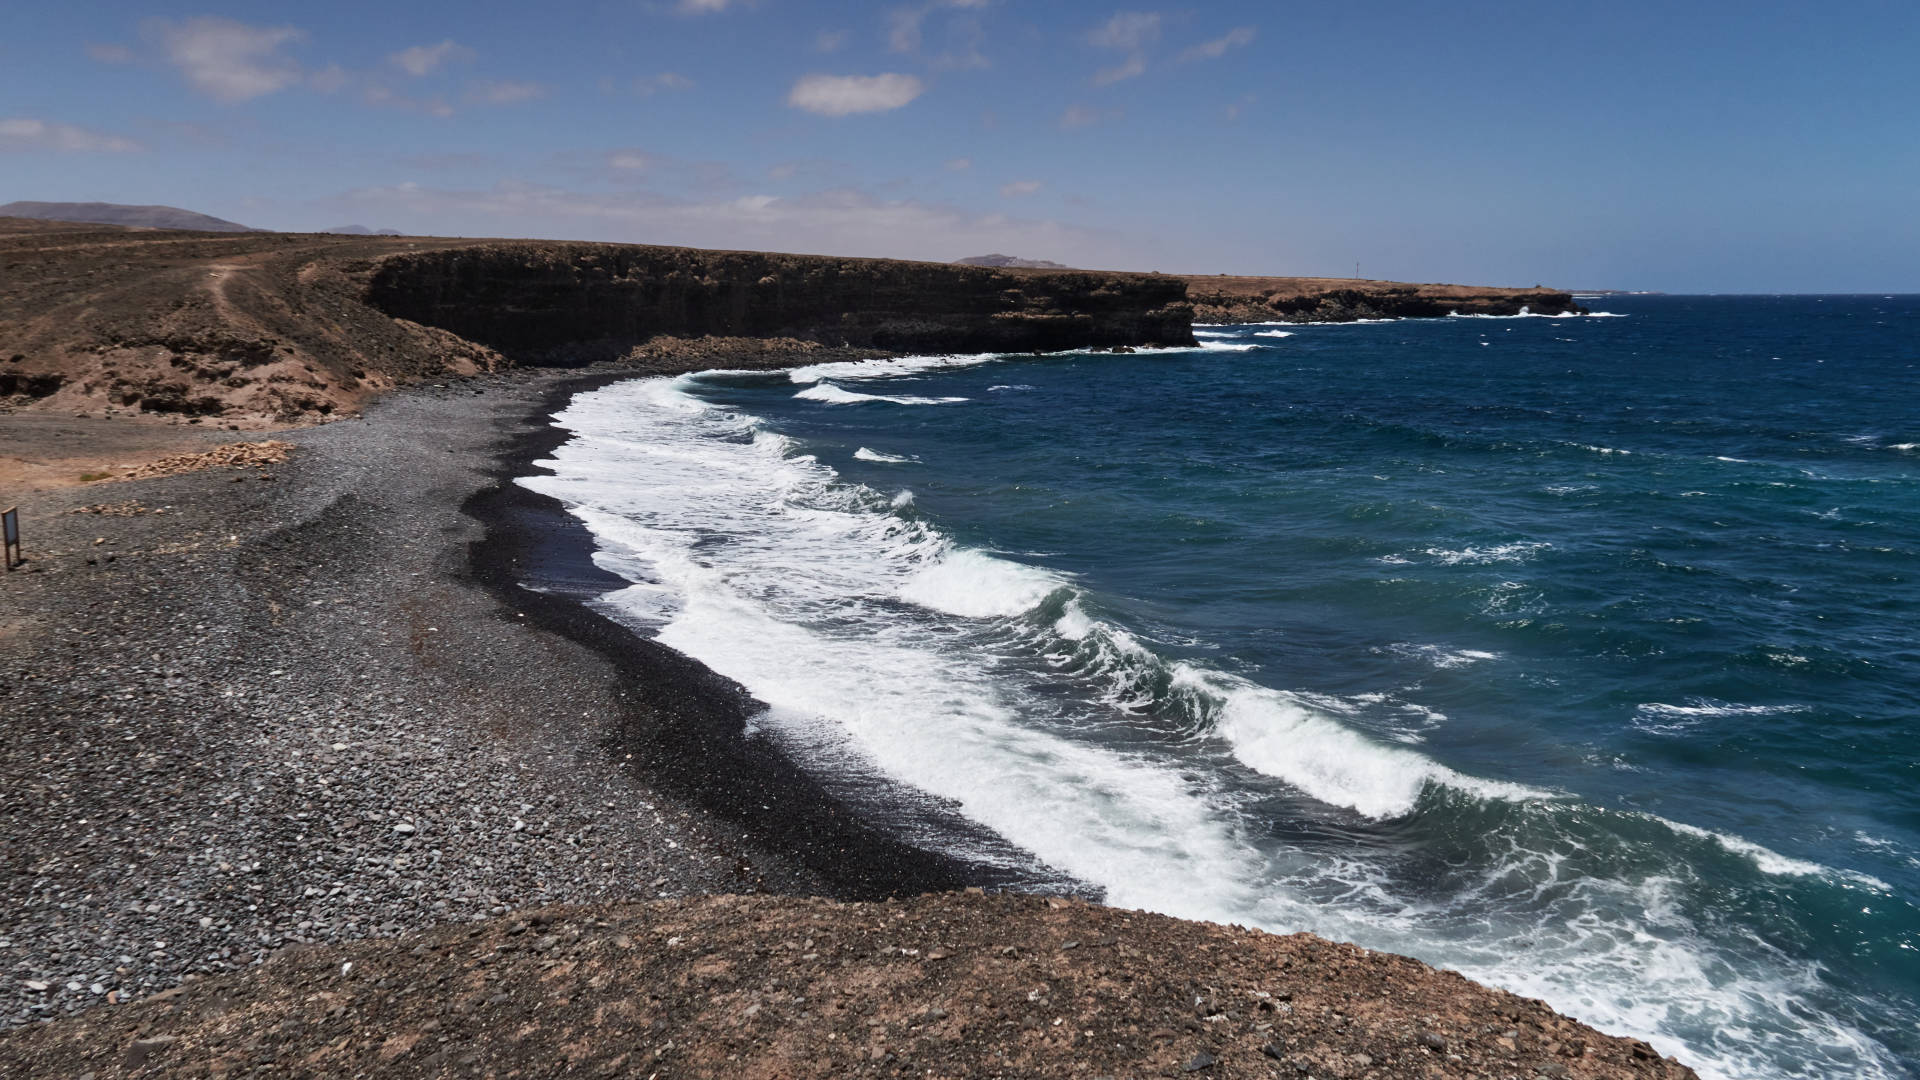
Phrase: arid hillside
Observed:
(260, 329)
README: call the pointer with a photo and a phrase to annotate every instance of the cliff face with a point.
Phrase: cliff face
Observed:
(556, 302)
(1225, 299)
(249, 330)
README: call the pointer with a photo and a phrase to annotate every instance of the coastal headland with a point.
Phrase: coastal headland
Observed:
(298, 774)
(1229, 299)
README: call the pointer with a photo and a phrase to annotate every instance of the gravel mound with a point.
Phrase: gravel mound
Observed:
(947, 985)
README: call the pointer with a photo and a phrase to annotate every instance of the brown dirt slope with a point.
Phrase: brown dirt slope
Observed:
(947, 985)
(1225, 299)
(242, 329)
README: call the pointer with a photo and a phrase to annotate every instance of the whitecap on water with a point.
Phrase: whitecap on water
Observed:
(830, 394)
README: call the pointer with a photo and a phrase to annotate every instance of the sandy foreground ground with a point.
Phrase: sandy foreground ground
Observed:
(266, 727)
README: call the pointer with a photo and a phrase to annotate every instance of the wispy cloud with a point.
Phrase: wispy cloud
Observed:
(1127, 30)
(827, 41)
(1130, 32)
(906, 31)
(630, 161)
(26, 133)
(504, 92)
(1218, 47)
(649, 85)
(703, 7)
(959, 164)
(227, 60)
(384, 97)
(1126, 69)
(843, 95)
(1019, 189)
(421, 60)
(1079, 116)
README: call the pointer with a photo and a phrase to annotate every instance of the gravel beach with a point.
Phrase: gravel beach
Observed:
(248, 708)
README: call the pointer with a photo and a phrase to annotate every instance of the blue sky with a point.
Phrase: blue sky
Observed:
(1687, 147)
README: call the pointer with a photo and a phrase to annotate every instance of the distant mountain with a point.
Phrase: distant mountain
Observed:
(143, 217)
(1003, 261)
(362, 230)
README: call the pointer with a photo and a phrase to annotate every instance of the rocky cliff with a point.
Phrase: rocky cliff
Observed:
(1227, 299)
(561, 301)
(258, 329)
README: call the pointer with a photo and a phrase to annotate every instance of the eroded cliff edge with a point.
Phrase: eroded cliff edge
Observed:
(565, 301)
(1229, 299)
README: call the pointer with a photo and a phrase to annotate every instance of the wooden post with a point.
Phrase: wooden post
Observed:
(10, 532)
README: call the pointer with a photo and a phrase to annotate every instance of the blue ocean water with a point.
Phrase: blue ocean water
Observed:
(1576, 654)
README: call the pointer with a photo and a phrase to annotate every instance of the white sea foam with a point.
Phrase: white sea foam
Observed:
(1221, 346)
(769, 606)
(1526, 314)
(1769, 861)
(1518, 551)
(1280, 735)
(1273, 333)
(1212, 333)
(889, 367)
(977, 585)
(833, 395)
(1661, 719)
(1442, 657)
(864, 454)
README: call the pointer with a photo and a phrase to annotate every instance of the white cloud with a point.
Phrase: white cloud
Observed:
(1020, 189)
(421, 60)
(703, 7)
(25, 133)
(827, 41)
(1210, 50)
(1130, 32)
(959, 164)
(842, 95)
(840, 222)
(629, 161)
(504, 92)
(226, 60)
(1127, 30)
(1126, 69)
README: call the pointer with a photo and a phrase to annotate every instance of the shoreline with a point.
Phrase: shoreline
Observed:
(538, 559)
(306, 708)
